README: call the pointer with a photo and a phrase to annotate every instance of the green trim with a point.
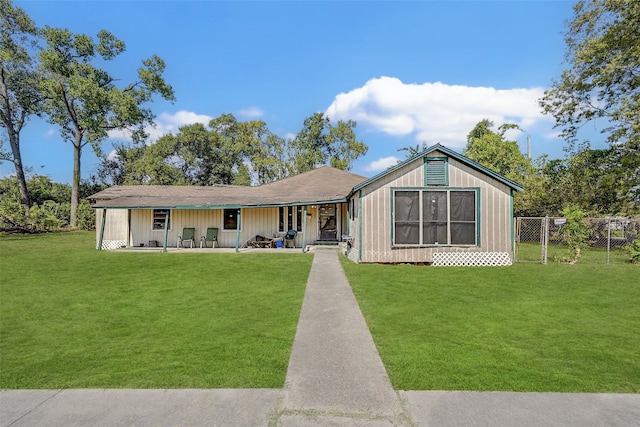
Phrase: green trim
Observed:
(104, 218)
(236, 206)
(478, 215)
(166, 230)
(513, 227)
(304, 228)
(237, 230)
(360, 226)
(449, 153)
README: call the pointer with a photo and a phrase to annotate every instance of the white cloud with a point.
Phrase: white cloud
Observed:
(435, 112)
(166, 123)
(381, 164)
(251, 112)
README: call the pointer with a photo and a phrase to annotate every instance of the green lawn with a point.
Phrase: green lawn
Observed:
(75, 317)
(528, 327)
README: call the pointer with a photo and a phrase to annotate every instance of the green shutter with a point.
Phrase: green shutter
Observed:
(435, 171)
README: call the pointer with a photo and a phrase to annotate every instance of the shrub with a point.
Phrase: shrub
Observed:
(575, 233)
(634, 252)
(86, 216)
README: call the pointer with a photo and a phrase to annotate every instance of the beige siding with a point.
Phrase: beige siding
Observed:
(254, 221)
(116, 227)
(495, 221)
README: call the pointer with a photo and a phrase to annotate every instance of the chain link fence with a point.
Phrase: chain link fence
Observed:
(543, 240)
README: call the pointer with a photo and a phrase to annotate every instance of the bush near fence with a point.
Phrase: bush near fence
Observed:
(541, 239)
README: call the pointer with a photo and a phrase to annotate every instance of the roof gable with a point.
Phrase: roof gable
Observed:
(448, 152)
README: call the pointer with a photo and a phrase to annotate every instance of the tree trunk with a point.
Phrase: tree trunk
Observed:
(14, 141)
(75, 184)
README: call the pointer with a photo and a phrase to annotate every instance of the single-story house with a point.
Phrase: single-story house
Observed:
(313, 203)
(435, 207)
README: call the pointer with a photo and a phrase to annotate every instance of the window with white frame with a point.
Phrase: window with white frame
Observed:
(435, 217)
(299, 218)
(230, 219)
(286, 218)
(160, 216)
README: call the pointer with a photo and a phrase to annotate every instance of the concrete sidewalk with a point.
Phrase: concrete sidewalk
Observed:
(335, 375)
(335, 378)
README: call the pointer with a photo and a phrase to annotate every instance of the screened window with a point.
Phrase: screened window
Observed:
(430, 217)
(407, 221)
(159, 218)
(230, 219)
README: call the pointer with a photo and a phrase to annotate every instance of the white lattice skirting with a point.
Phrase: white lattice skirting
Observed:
(471, 259)
(110, 245)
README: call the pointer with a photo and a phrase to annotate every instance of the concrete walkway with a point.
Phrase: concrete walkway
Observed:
(335, 375)
(335, 378)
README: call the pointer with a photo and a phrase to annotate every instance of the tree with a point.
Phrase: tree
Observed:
(602, 80)
(85, 101)
(232, 152)
(493, 151)
(320, 142)
(413, 151)
(592, 180)
(19, 97)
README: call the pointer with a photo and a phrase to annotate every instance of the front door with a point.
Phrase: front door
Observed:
(328, 224)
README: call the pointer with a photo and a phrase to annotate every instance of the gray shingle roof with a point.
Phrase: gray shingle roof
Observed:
(324, 184)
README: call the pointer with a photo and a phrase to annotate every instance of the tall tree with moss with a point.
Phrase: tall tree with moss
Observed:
(19, 95)
(602, 81)
(87, 102)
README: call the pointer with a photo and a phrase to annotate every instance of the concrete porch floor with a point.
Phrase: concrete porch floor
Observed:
(197, 249)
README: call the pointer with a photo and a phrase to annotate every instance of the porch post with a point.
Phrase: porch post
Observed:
(104, 218)
(238, 231)
(166, 230)
(304, 227)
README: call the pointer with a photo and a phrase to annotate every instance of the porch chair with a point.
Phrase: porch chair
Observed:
(290, 239)
(188, 235)
(212, 236)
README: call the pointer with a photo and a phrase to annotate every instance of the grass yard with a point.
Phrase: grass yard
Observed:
(73, 317)
(558, 328)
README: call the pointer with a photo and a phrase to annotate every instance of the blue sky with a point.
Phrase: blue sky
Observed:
(406, 72)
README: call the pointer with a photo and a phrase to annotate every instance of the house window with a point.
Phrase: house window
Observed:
(231, 219)
(299, 218)
(285, 218)
(159, 218)
(435, 217)
(281, 224)
(407, 217)
(435, 171)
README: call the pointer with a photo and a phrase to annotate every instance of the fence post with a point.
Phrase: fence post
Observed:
(608, 239)
(545, 239)
(517, 237)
